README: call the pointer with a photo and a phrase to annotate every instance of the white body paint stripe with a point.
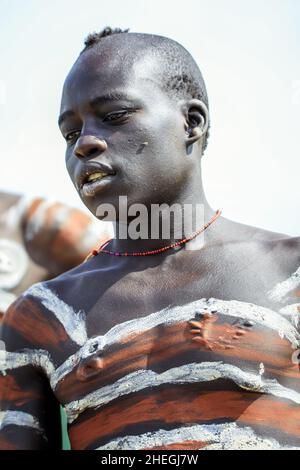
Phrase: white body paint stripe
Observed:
(19, 418)
(292, 313)
(36, 358)
(188, 373)
(225, 436)
(6, 299)
(11, 217)
(171, 315)
(73, 322)
(283, 288)
(36, 221)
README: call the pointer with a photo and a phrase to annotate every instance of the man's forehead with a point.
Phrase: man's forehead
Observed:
(95, 69)
(114, 63)
(96, 75)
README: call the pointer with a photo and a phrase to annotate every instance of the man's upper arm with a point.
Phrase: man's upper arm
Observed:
(29, 411)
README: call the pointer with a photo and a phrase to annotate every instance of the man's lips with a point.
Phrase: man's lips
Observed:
(92, 172)
(92, 188)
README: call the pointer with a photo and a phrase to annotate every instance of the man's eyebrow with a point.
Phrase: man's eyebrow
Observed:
(111, 96)
(65, 115)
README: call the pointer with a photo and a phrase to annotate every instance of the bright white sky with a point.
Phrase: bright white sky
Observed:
(248, 51)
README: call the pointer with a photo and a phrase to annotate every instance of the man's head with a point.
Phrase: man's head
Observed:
(134, 105)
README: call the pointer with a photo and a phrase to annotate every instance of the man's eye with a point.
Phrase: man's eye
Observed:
(117, 116)
(72, 136)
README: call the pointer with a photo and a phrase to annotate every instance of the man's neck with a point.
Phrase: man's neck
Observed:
(175, 222)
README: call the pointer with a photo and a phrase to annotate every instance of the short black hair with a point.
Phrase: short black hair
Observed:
(182, 77)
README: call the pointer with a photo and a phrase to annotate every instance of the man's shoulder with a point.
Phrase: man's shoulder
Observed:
(282, 249)
(25, 322)
(60, 295)
(276, 252)
(42, 319)
(290, 247)
(282, 255)
(258, 241)
(262, 237)
(60, 284)
(287, 254)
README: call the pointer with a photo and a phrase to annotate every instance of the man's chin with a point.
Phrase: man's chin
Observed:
(117, 208)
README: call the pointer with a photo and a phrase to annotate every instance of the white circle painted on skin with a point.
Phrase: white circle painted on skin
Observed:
(13, 263)
(6, 299)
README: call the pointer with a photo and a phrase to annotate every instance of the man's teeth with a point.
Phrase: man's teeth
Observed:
(95, 176)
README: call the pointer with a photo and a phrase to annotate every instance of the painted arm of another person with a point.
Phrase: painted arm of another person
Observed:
(40, 239)
(29, 410)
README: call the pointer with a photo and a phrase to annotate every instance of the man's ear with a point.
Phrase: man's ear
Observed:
(196, 120)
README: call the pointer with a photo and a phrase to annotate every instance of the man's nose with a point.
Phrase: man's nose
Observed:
(88, 146)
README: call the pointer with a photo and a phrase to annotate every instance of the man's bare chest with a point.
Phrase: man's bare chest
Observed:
(164, 322)
(189, 336)
(215, 357)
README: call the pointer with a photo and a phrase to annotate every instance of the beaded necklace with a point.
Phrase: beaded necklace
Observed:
(152, 252)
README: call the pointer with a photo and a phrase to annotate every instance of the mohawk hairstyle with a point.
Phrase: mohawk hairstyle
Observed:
(181, 77)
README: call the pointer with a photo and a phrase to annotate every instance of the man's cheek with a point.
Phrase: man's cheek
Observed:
(70, 165)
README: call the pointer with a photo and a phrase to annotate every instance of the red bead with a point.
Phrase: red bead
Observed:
(94, 252)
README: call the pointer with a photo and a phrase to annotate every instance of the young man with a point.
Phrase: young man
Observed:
(185, 348)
